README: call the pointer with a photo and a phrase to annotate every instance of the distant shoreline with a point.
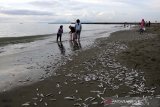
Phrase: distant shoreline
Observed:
(135, 23)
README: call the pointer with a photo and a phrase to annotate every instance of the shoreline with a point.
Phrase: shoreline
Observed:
(94, 74)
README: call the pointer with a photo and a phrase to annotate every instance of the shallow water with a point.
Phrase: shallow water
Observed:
(26, 63)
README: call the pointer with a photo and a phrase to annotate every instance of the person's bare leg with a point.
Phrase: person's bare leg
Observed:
(70, 36)
(73, 36)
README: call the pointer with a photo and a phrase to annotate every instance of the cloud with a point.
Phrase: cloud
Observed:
(87, 10)
(24, 12)
(88, 1)
(155, 4)
(45, 3)
(100, 13)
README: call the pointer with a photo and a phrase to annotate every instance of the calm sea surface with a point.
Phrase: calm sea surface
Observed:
(30, 29)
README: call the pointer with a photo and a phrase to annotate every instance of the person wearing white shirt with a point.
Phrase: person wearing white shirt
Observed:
(78, 28)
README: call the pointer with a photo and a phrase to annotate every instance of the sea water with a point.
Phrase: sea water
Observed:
(31, 29)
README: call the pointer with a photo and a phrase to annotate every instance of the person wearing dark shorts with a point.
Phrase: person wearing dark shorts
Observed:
(59, 33)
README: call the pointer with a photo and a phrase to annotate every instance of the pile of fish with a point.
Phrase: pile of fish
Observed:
(107, 73)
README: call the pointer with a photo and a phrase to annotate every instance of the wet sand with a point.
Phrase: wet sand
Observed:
(26, 63)
(104, 70)
(15, 40)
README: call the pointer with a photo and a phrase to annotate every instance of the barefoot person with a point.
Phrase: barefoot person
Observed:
(59, 33)
(72, 33)
(78, 28)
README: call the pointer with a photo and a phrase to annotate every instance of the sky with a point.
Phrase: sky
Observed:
(85, 10)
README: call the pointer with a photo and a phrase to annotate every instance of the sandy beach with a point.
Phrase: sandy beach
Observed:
(126, 64)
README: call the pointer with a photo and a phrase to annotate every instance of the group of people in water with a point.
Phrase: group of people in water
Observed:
(75, 31)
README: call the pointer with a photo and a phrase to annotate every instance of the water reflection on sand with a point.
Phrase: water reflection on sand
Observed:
(75, 45)
(61, 48)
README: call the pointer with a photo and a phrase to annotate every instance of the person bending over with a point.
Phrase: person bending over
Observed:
(72, 33)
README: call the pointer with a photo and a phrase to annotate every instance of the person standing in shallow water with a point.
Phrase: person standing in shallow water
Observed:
(59, 33)
(78, 28)
(72, 33)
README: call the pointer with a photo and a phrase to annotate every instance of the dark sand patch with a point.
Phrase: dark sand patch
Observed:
(26, 39)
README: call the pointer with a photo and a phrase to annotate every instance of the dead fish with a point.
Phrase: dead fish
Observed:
(50, 94)
(59, 92)
(26, 104)
(87, 79)
(41, 100)
(38, 94)
(52, 99)
(85, 105)
(79, 99)
(76, 91)
(94, 103)
(98, 96)
(101, 85)
(77, 104)
(95, 91)
(88, 98)
(41, 95)
(92, 99)
(35, 104)
(69, 98)
(58, 85)
(65, 83)
(45, 104)
(104, 90)
(35, 98)
(102, 98)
